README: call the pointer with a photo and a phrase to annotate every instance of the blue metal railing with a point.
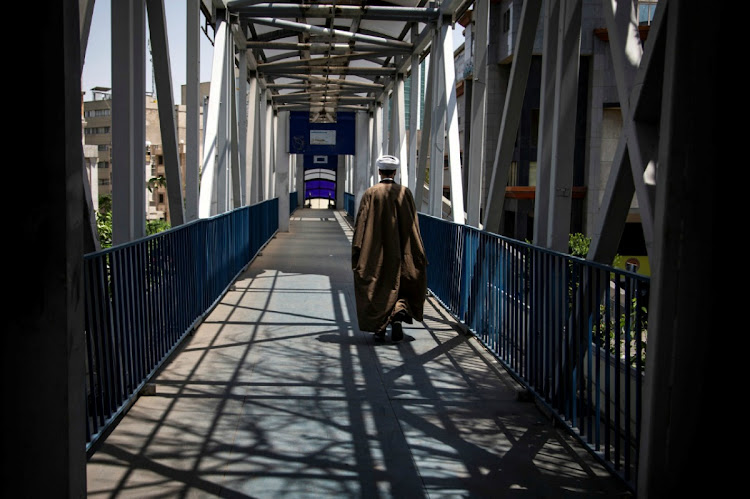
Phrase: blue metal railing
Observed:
(293, 203)
(143, 297)
(349, 204)
(571, 331)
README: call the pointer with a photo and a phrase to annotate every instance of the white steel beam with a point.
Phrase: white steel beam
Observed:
(157, 23)
(437, 126)
(376, 142)
(252, 179)
(338, 33)
(192, 109)
(398, 130)
(563, 137)
(424, 145)
(451, 117)
(128, 121)
(282, 169)
(519, 75)
(212, 142)
(85, 14)
(544, 139)
(478, 113)
(267, 143)
(362, 169)
(638, 141)
(413, 115)
(242, 123)
(237, 168)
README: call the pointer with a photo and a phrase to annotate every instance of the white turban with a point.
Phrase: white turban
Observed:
(387, 162)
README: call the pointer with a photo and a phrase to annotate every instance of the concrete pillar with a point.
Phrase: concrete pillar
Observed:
(340, 181)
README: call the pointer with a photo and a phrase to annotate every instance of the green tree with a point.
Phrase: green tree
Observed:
(158, 181)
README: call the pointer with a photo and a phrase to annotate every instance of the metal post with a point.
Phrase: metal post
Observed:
(478, 113)
(413, 113)
(377, 145)
(544, 140)
(398, 129)
(519, 75)
(163, 74)
(362, 167)
(251, 144)
(564, 118)
(267, 144)
(437, 128)
(451, 127)
(192, 111)
(242, 124)
(128, 121)
(282, 169)
(209, 193)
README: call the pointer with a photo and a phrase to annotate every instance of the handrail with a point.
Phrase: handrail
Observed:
(573, 332)
(143, 297)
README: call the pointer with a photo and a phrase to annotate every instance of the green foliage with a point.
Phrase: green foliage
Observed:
(579, 244)
(616, 330)
(105, 203)
(104, 228)
(159, 181)
(156, 226)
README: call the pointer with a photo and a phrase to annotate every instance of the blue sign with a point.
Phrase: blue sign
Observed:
(324, 139)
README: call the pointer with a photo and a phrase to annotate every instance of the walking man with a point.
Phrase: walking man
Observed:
(388, 257)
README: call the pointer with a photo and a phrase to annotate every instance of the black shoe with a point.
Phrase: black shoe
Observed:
(379, 336)
(397, 332)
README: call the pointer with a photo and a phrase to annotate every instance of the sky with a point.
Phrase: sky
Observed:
(97, 69)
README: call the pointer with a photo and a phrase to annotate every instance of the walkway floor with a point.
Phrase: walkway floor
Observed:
(278, 394)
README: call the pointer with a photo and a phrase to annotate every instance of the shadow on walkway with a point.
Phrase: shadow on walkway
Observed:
(278, 394)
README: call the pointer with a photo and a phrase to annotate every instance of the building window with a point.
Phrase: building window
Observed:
(102, 147)
(161, 198)
(646, 10)
(96, 130)
(89, 113)
(102, 164)
(506, 21)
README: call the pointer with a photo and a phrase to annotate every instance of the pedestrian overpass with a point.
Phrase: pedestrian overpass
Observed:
(252, 287)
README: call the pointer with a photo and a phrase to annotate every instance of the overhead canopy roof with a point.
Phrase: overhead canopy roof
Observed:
(337, 55)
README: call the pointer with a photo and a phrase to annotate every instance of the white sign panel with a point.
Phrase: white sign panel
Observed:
(323, 137)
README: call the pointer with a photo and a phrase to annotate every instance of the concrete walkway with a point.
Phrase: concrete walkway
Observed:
(278, 394)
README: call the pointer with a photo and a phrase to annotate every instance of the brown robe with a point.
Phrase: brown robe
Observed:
(388, 257)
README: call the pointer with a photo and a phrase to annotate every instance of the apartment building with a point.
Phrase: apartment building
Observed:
(97, 131)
